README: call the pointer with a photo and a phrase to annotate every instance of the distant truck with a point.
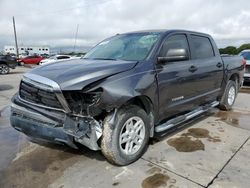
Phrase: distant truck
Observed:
(7, 62)
(125, 90)
(246, 55)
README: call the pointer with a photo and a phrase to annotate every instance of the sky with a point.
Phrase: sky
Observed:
(54, 22)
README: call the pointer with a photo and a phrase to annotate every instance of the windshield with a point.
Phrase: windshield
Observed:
(128, 47)
(245, 55)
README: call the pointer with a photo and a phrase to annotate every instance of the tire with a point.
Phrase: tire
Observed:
(20, 63)
(229, 96)
(120, 153)
(4, 69)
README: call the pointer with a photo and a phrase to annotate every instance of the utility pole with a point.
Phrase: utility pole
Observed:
(14, 25)
(76, 36)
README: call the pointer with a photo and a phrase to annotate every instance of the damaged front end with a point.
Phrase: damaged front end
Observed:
(42, 110)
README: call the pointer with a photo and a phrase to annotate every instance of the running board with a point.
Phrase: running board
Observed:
(180, 119)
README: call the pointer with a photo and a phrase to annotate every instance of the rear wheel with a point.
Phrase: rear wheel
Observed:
(127, 141)
(20, 63)
(229, 96)
(4, 69)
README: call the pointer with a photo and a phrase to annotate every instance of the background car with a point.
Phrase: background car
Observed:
(34, 60)
(7, 62)
(57, 58)
(246, 55)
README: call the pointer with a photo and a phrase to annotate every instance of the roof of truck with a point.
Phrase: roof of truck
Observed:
(168, 31)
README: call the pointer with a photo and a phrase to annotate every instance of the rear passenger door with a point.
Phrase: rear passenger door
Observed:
(209, 68)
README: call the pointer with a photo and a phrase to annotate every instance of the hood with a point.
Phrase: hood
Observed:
(76, 74)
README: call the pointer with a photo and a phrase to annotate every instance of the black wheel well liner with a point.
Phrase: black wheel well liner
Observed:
(235, 77)
(142, 101)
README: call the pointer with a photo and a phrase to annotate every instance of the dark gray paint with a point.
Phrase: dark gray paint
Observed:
(155, 84)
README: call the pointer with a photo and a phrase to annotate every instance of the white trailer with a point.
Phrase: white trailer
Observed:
(27, 50)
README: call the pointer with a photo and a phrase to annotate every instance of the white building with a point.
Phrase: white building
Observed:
(27, 50)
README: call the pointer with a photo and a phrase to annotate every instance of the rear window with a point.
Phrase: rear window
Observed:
(201, 47)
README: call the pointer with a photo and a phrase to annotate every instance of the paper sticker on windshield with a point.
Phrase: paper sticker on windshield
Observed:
(104, 42)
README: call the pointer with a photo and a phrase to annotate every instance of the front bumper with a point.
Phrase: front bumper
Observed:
(53, 126)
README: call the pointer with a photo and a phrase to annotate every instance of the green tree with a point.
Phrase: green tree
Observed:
(232, 50)
(243, 47)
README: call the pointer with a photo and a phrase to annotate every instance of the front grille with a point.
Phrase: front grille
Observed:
(34, 94)
(247, 70)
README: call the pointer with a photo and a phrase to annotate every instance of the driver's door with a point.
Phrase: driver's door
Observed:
(175, 79)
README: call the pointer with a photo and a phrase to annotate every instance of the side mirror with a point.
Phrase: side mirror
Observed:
(179, 54)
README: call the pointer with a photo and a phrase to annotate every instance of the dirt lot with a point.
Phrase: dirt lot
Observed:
(210, 151)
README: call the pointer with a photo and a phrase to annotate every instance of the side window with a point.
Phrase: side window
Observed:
(174, 42)
(201, 47)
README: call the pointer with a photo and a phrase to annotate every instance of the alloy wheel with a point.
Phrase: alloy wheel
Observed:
(231, 95)
(4, 69)
(132, 135)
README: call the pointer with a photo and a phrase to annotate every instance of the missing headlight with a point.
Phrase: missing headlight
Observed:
(83, 103)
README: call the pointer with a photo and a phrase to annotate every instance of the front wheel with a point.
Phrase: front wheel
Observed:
(128, 139)
(4, 69)
(229, 96)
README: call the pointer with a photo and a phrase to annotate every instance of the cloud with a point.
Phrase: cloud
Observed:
(54, 22)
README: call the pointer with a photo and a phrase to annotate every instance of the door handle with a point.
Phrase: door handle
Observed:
(192, 68)
(219, 65)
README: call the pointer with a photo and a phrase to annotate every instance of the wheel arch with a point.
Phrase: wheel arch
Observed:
(236, 78)
(147, 105)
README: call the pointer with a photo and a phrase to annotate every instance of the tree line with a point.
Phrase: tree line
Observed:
(232, 50)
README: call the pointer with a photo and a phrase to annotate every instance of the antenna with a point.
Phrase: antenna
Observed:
(14, 25)
(76, 36)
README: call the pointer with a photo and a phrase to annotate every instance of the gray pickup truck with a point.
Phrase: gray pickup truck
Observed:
(125, 90)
